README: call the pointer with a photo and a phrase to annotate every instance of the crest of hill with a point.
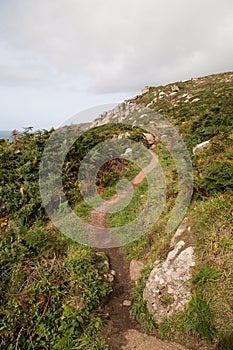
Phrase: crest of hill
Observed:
(200, 108)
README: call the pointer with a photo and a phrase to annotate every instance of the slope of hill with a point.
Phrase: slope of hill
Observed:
(54, 289)
(201, 109)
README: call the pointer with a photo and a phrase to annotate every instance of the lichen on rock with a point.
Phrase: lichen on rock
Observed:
(166, 290)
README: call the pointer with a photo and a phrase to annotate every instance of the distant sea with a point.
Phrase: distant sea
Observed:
(5, 134)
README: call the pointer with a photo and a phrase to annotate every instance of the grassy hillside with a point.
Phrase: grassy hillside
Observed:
(201, 109)
(52, 293)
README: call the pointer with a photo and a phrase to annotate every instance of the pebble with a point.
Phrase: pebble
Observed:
(127, 303)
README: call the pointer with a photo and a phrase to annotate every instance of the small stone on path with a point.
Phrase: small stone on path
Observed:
(127, 303)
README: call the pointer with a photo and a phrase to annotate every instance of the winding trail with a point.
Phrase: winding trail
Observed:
(121, 331)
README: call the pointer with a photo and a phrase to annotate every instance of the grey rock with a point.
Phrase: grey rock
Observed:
(181, 229)
(200, 146)
(109, 277)
(175, 88)
(195, 100)
(127, 152)
(127, 303)
(151, 139)
(166, 291)
(173, 94)
(135, 269)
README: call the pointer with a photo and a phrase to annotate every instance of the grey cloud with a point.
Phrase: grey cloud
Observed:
(105, 40)
(105, 47)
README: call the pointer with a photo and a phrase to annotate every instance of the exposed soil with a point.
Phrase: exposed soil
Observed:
(118, 319)
(139, 341)
(120, 330)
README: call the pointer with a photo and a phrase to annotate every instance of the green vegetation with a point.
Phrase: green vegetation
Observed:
(52, 303)
(200, 109)
(209, 313)
(139, 310)
(195, 320)
(132, 210)
(52, 289)
(205, 274)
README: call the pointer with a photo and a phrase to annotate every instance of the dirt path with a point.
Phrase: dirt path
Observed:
(121, 331)
(118, 320)
(139, 341)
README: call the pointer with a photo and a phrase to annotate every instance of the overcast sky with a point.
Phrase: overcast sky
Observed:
(58, 57)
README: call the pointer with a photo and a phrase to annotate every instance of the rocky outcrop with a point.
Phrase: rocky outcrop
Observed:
(151, 140)
(166, 290)
(118, 114)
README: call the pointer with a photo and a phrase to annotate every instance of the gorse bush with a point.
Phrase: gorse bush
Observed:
(19, 174)
(218, 177)
(208, 125)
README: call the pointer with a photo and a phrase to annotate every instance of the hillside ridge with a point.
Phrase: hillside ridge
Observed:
(55, 289)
